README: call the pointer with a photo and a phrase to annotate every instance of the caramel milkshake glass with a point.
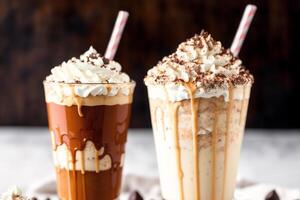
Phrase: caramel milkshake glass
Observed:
(198, 128)
(88, 123)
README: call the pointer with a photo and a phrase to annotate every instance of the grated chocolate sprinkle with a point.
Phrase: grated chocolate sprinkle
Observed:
(203, 61)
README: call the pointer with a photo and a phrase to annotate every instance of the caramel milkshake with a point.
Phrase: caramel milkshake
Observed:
(198, 100)
(88, 103)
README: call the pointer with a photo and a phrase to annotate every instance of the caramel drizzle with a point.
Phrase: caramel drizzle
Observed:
(72, 186)
(228, 116)
(162, 120)
(69, 178)
(155, 121)
(214, 149)
(82, 166)
(75, 178)
(243, 105)
(174, 115)
(78, 102)
(191, 90)
(173, 112)
(79, 105)
(97, 161)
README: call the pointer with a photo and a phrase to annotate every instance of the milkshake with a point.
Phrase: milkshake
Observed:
(198, 100)
(88, 103)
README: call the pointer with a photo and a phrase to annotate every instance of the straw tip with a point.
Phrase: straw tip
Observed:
(252, 6)
(124, 12)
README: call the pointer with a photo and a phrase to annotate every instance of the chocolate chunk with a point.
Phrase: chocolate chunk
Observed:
(33, 198)
(93, 56)
(48, 198)
(272, 196)
(105, 61)
(135, 195)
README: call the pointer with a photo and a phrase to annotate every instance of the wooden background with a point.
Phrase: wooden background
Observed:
(36, 35)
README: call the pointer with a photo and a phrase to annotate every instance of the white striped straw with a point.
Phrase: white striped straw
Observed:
(243, 29)
(116, 35)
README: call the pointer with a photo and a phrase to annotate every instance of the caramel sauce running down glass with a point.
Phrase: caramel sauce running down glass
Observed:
(198, 142)
(88, 137)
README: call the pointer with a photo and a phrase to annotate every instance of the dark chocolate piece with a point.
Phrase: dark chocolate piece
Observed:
(135, 195)
(272, 196)
(105, 60)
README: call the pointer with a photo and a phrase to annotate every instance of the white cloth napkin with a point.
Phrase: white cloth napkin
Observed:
(259, 192)
(150, 190)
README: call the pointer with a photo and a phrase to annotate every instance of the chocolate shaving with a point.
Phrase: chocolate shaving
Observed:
(105, 60)
(231, 71)
(135, 195)
(94, 56)
(272, 196)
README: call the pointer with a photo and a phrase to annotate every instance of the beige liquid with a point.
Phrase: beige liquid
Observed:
(198, 145)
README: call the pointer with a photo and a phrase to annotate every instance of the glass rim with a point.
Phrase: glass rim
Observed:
(131, 83)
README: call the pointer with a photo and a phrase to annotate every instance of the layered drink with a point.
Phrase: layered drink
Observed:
(88, 103)
(198, 100)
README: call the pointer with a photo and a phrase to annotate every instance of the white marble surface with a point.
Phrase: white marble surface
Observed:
(268, 156)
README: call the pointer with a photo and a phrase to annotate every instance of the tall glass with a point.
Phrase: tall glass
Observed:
(88, 133)
(198, 142)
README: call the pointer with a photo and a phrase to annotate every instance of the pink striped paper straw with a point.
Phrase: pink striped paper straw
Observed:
(243, 29)
(116, 35)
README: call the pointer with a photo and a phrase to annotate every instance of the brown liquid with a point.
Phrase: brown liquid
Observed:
(106, 126)
(91, 185)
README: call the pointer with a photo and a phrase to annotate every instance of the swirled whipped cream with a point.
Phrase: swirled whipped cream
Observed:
(91, 67)
(89, 75)
(202, 61)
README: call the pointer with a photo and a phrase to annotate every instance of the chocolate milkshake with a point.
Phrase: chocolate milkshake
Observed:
(88, 103)
(198, 100)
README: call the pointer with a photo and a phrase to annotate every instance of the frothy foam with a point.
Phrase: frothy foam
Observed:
(173, 92)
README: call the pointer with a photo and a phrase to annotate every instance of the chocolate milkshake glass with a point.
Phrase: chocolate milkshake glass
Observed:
(88, 103)
(198, 100)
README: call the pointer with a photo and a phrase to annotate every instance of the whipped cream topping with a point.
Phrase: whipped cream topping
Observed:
(91, 75)
(179, 92)
(91, 67)
(203, 61)
(88, 94)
